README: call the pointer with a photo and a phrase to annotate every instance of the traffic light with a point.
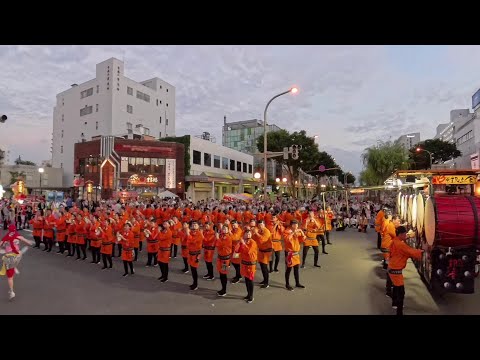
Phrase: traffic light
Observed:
(294, 152)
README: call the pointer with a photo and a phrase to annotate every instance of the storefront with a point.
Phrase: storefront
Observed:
(112, 164)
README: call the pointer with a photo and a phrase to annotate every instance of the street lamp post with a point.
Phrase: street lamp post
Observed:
(40, 171)
(429, 154)
(265, 176)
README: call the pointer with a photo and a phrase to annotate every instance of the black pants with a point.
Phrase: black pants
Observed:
(389, 286)
(379, 241)
(237, 271)
(209, 268)
(119, 250)
(48, 243)
(277, 260)
(151, 257)
(322, 239)
(163, 270)
(315, 254)
(223, 280)
(135, 250)
(173, 250)
(95, 255)
(61, 247)
(264, 268)
(126, 264)
(295, 274)
(140, 246)
(327, 234)
(5, 224)
(194, 276)
(37, 241)
(106, 257)
(249, 285)
(398, 297)
(82, 247)
(185, 263)
(70, 249)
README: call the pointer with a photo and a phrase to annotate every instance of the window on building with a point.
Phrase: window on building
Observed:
(216, 161)
(239, 166)
(62, 134)
(197, 157)
(225, 163)
(143, 96)
(63, 102)
(86, 93)
(160, 86)
(61, 149)
(96, 107)
(167, 89)
(207, 159)
(98, 88)
(124, 164)
(157, 102)
(130, 109)
(160, 102)
(161, 121)
(166, 122)
(129, 126)
(129, 90)
(250, 168)
(63, 118)
(61, 165)
(147, 131)
(167, 104)
(232, 165)
(244, 167)
(160, 135)
(96, 125)
(131, 165)
(86, 110)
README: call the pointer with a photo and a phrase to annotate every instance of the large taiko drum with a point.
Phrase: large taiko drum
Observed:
(420, 212)
(414, 212)
(451, 221)
(409, 209)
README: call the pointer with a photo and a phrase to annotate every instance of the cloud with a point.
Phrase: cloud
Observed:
(350, 96)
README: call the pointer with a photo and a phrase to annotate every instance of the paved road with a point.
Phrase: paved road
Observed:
(350, 282)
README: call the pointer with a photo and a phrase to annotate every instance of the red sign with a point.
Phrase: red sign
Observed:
(77, 182)
(137, 148)
(149, 180)
(124, 194)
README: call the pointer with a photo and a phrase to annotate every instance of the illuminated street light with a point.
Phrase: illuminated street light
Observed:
(419, 149)
(257, 175)
(292, 90)
(284, 180)
(277, 180)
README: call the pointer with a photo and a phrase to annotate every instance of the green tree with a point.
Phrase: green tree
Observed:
(19, 161)
(381, 161)
(308, 156)
(441, 151)
(14, 175)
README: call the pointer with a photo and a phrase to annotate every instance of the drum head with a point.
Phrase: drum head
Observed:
(430, 222)
(409, 211)
(420, 213)
(414, 212)
(404, 207)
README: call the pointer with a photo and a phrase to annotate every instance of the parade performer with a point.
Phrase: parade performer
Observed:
(10, 246)
(126, 240)
(164, 245)
(183, 239)
(209, 250)
(237, 234)
(262, 237)
(194, 245)
(175, 227)
(277, 230)
(293, 237)
(49, 223)
(378, 227)
(330, 216)
(248, 250)
(312, 229)
(151, 233)
(108, 241)
(224, 250)
(61, 226)
(37, 223)
(400, 252)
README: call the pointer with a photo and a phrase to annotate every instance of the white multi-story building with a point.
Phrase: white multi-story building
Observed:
(110, 104)
(216, 170)
(409, 140)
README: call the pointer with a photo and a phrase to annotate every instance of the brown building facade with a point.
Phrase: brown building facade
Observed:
(109, 166)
